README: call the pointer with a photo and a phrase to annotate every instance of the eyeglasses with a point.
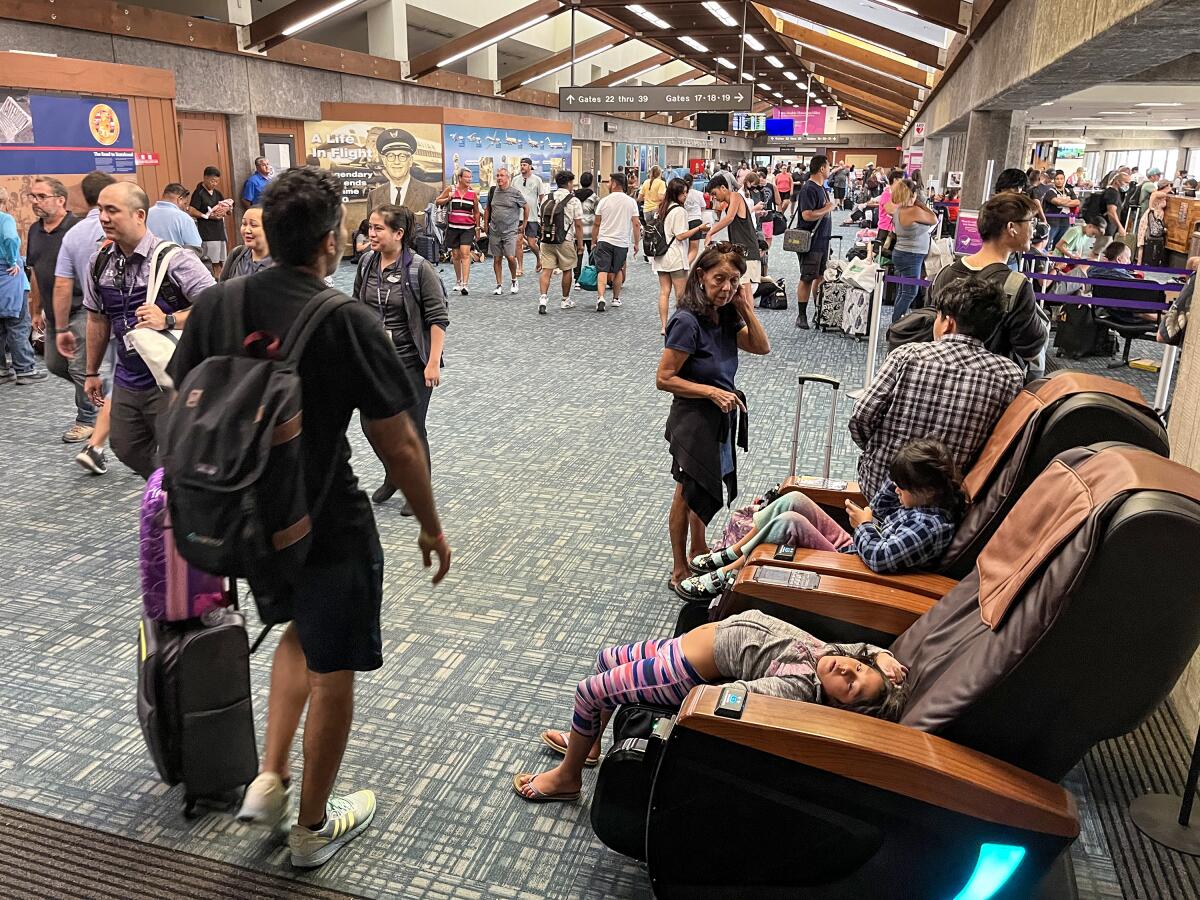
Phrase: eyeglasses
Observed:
(397, 156)
(728, 247)
(1022, 221)
(41, 197)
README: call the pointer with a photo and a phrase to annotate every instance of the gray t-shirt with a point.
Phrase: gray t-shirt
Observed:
(532, 187)
(504, 209)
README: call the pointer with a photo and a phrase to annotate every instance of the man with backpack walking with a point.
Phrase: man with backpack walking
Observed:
(331, 594)
(120, 299)
(561, 218)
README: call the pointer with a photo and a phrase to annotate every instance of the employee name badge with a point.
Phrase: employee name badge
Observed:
(129, 348)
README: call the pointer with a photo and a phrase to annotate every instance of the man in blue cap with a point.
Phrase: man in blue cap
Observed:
(396, 149)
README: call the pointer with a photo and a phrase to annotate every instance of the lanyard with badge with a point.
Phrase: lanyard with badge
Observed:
(383, 299)
(121, 283)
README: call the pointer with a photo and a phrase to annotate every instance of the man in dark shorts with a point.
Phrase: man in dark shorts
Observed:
(815, 209)
(615, 228)
(334, 630)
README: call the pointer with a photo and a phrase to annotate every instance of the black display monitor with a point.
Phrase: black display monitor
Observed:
(712, 121)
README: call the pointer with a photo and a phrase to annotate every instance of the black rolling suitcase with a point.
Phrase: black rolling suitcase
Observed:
(1079, 334)
(621, 800)
(194, 706)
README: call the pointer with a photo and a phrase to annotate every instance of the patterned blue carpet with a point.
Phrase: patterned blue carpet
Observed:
(553, 479)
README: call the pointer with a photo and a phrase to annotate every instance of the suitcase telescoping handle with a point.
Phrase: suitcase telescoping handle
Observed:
(836, 386)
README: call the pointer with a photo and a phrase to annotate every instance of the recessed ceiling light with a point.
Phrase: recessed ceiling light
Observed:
(777, 94)
(722, 16)
(1117, 112)
(648, 16)
(752, 42)
(774, 60)
(765, 87)
(1158, 104)
(723, 62)
(1048, 103)
(790, 76)
(694, 44)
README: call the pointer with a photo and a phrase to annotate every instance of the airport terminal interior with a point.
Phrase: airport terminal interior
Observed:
(815, 423)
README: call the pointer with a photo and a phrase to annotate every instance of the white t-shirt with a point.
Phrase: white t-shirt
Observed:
(693, 204)
(675, 259)
(617, 212)
(532, 187)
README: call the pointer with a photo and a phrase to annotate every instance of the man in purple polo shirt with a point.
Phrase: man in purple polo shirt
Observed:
(116, 304)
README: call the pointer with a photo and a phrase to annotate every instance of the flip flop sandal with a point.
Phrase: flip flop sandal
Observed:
(521, 784)
(695, 596)
(591, 762)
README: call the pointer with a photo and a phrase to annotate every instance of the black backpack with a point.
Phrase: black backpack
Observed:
(232, 458)
(554, 219)
(1093, 206)
(655, 242)
(169, 293)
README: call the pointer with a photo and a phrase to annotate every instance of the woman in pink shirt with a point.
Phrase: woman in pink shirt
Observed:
(885, 199)
(783, 186)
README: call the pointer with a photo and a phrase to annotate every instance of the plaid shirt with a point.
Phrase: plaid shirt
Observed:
(900, 539)
(951, 389)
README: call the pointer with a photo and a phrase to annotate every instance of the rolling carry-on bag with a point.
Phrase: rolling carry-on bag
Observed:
(856, 313)
(194, 704)
(621, 800)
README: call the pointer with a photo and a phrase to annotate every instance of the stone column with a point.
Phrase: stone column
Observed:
(1184, 431)
(387, 30)
(485, 63)
(934, 164)
(995, 135)
(243, 150)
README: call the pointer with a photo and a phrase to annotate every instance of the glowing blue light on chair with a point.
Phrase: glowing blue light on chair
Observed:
(995, 866)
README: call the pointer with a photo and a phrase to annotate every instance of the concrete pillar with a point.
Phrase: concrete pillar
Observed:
(387, 30)
(485, 63)
(995, 135)
(244, 149)
(1184, 431)
(934, 162)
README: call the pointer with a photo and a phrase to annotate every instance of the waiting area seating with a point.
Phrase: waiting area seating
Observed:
(1014, 675)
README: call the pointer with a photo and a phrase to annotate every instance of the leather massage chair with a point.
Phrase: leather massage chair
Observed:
(1065, 410)
(1074, 624)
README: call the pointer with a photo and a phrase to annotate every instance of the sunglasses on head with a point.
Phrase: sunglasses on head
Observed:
(728, 247)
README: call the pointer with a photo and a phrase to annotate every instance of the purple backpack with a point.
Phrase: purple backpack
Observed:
(172, 590)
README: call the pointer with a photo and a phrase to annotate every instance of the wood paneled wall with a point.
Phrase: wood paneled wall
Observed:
(155, 130)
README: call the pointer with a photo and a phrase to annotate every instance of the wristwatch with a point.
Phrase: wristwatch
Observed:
(170, 321)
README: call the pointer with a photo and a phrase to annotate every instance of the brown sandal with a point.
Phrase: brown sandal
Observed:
(547, 739)
(522, 782)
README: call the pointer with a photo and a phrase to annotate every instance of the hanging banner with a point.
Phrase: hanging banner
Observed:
(374, 160)
(41, 134)
(485, 150)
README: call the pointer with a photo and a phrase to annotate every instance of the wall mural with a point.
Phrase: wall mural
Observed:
(484, 150)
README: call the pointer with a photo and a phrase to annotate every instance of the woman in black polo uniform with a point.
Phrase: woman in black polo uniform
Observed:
(411, 306)
(714, 319)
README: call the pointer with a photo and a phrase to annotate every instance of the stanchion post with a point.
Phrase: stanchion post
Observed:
(1162, 393)
(872, 336)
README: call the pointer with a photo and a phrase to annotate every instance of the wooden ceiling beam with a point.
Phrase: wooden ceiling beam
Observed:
(483, 37)
(612, 37)
(835, 80)
(658, 59)
(904, 44)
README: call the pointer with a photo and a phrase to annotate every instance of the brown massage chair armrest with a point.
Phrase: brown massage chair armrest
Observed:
(825, 497)
(890, 757)
(890, 610)
(850, 565)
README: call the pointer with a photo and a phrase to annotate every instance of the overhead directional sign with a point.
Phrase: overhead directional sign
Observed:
(691, 98)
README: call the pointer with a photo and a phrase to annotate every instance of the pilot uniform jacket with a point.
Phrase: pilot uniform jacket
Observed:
(417, 196)
(768, 656)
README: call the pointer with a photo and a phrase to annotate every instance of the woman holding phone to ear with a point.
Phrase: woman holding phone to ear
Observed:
(714, 320)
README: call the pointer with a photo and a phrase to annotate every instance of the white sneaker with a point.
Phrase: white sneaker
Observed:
(345, 819)
(266, 800)
(616, 301)
(498, 291)
(513, 289)
(600, 305)
(542, 305)
(458, 285)
(567, 303)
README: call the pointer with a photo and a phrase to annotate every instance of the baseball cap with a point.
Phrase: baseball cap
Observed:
(619, 178)
(395, 139)
(526, 159)
(1152, 171)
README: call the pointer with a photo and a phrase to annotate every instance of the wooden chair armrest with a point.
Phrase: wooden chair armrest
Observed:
(850, 565)
(824, 496)
(891, 757)
(888, 609)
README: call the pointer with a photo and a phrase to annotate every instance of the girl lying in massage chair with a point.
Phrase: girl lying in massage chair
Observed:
(763, 654)
(909, 524)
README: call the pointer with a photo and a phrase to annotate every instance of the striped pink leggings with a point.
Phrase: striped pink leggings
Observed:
(647, 672)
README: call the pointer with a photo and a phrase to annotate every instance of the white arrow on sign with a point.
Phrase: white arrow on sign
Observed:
(741, 97)
(570, 99)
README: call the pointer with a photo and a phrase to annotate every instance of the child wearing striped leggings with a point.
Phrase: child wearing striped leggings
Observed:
(766, 655)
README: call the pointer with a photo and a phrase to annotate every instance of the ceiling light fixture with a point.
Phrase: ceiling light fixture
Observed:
(790, 76)
(694, 44)
(777, 94)
(746, 76)
(332, 10)
(1158, 104)
(774, 60)
(567, 64)
(1048, 103)
(648, 16)
(724, 63)
(765, 87)
(456, 57)
(752, 42)
(719, 11)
